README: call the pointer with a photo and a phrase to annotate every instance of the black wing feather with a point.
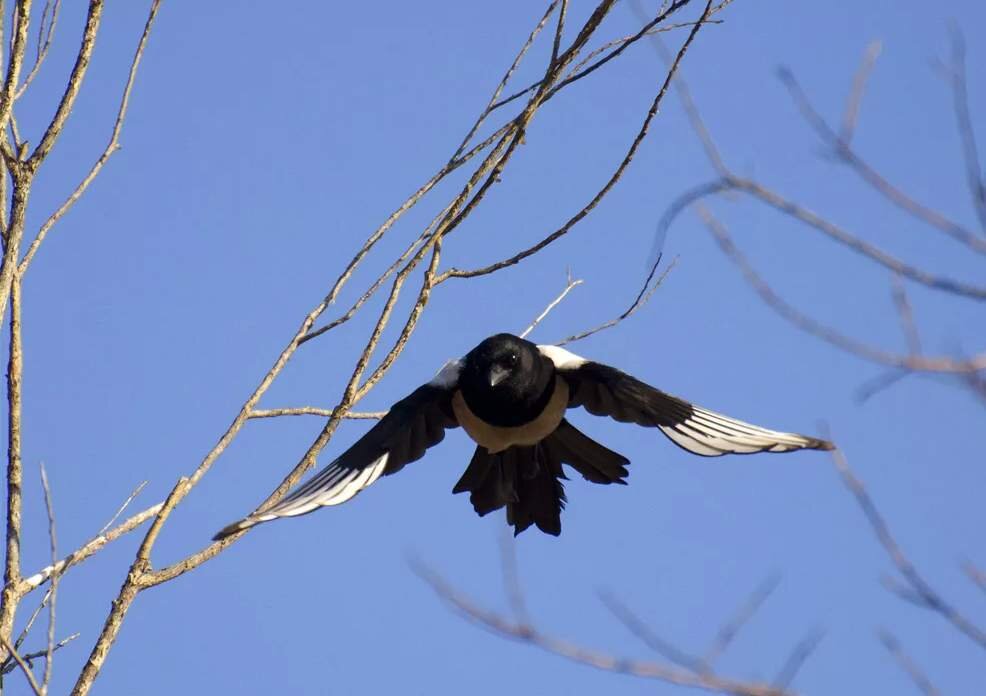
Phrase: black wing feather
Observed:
(412, 425)
(606, 391)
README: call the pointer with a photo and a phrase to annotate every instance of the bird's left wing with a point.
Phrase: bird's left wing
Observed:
(412, 425)
(607, 391)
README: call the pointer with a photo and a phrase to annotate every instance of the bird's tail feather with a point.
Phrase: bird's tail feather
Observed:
(527, 480)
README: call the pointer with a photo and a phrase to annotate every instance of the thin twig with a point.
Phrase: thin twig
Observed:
(797, 659)
(970, 151)
(89, 548)
(53, 541)
(511, 578)
(905, 315)
(643, 297)
(111, 147)
(136, 491)
(729, 630)
(685, 97)
(34, 617)
(850, 117)
(977, 576)
(313, 411)
(908, 665)
(28, 674)
(73, 85)
(30, 657)
(569, 286)
(44, 43)
(643, 632)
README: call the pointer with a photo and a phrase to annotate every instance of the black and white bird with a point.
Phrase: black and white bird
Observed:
(510, 396)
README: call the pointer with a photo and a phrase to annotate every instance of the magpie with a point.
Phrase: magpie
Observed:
(510, 396)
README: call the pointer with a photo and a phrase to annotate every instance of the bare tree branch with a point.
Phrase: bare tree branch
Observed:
(526, 633)
(111, 147)
(28, 674)
(30, 657)
(642, 631)
(126, 503)
(73, 85)
(50, 13)
(15, 471)
(977, 576)
(796, 660)
(511, 578)
(614, 178)
(929, 598)
(312, 411)
(729, 630)
(89, 548)
(822, 331)
(970, 151)
(845, 154)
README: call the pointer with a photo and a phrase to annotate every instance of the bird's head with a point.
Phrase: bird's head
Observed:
(504, 362)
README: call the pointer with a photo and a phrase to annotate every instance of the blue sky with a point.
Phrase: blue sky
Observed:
(263, 146)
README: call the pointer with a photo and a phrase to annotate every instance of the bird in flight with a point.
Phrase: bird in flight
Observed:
(510, 396)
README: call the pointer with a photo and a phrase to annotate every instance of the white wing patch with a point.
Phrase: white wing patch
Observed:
(712, 434)
(563, 359)
(332, 486)
(448, 376)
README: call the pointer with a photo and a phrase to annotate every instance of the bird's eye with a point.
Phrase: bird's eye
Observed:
(511, 359)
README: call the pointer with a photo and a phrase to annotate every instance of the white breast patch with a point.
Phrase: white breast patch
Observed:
(497, 438)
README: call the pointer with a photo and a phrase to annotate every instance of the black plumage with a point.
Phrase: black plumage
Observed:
(510, 396)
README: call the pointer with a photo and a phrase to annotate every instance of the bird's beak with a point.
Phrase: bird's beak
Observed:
(497, 375)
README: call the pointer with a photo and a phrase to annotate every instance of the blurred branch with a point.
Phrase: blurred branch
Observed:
(907, 664)
(926, 595)
(850, 117)
(970, 151)
(827, 333)
(905, 315)
(643, 632)
(729, 630)
(977, 576)
(525, 633)
(797, 659)
(845, 154)
(511, 578)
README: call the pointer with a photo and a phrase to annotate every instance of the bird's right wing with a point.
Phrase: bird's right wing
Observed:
(412, 425)
(606, 391)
